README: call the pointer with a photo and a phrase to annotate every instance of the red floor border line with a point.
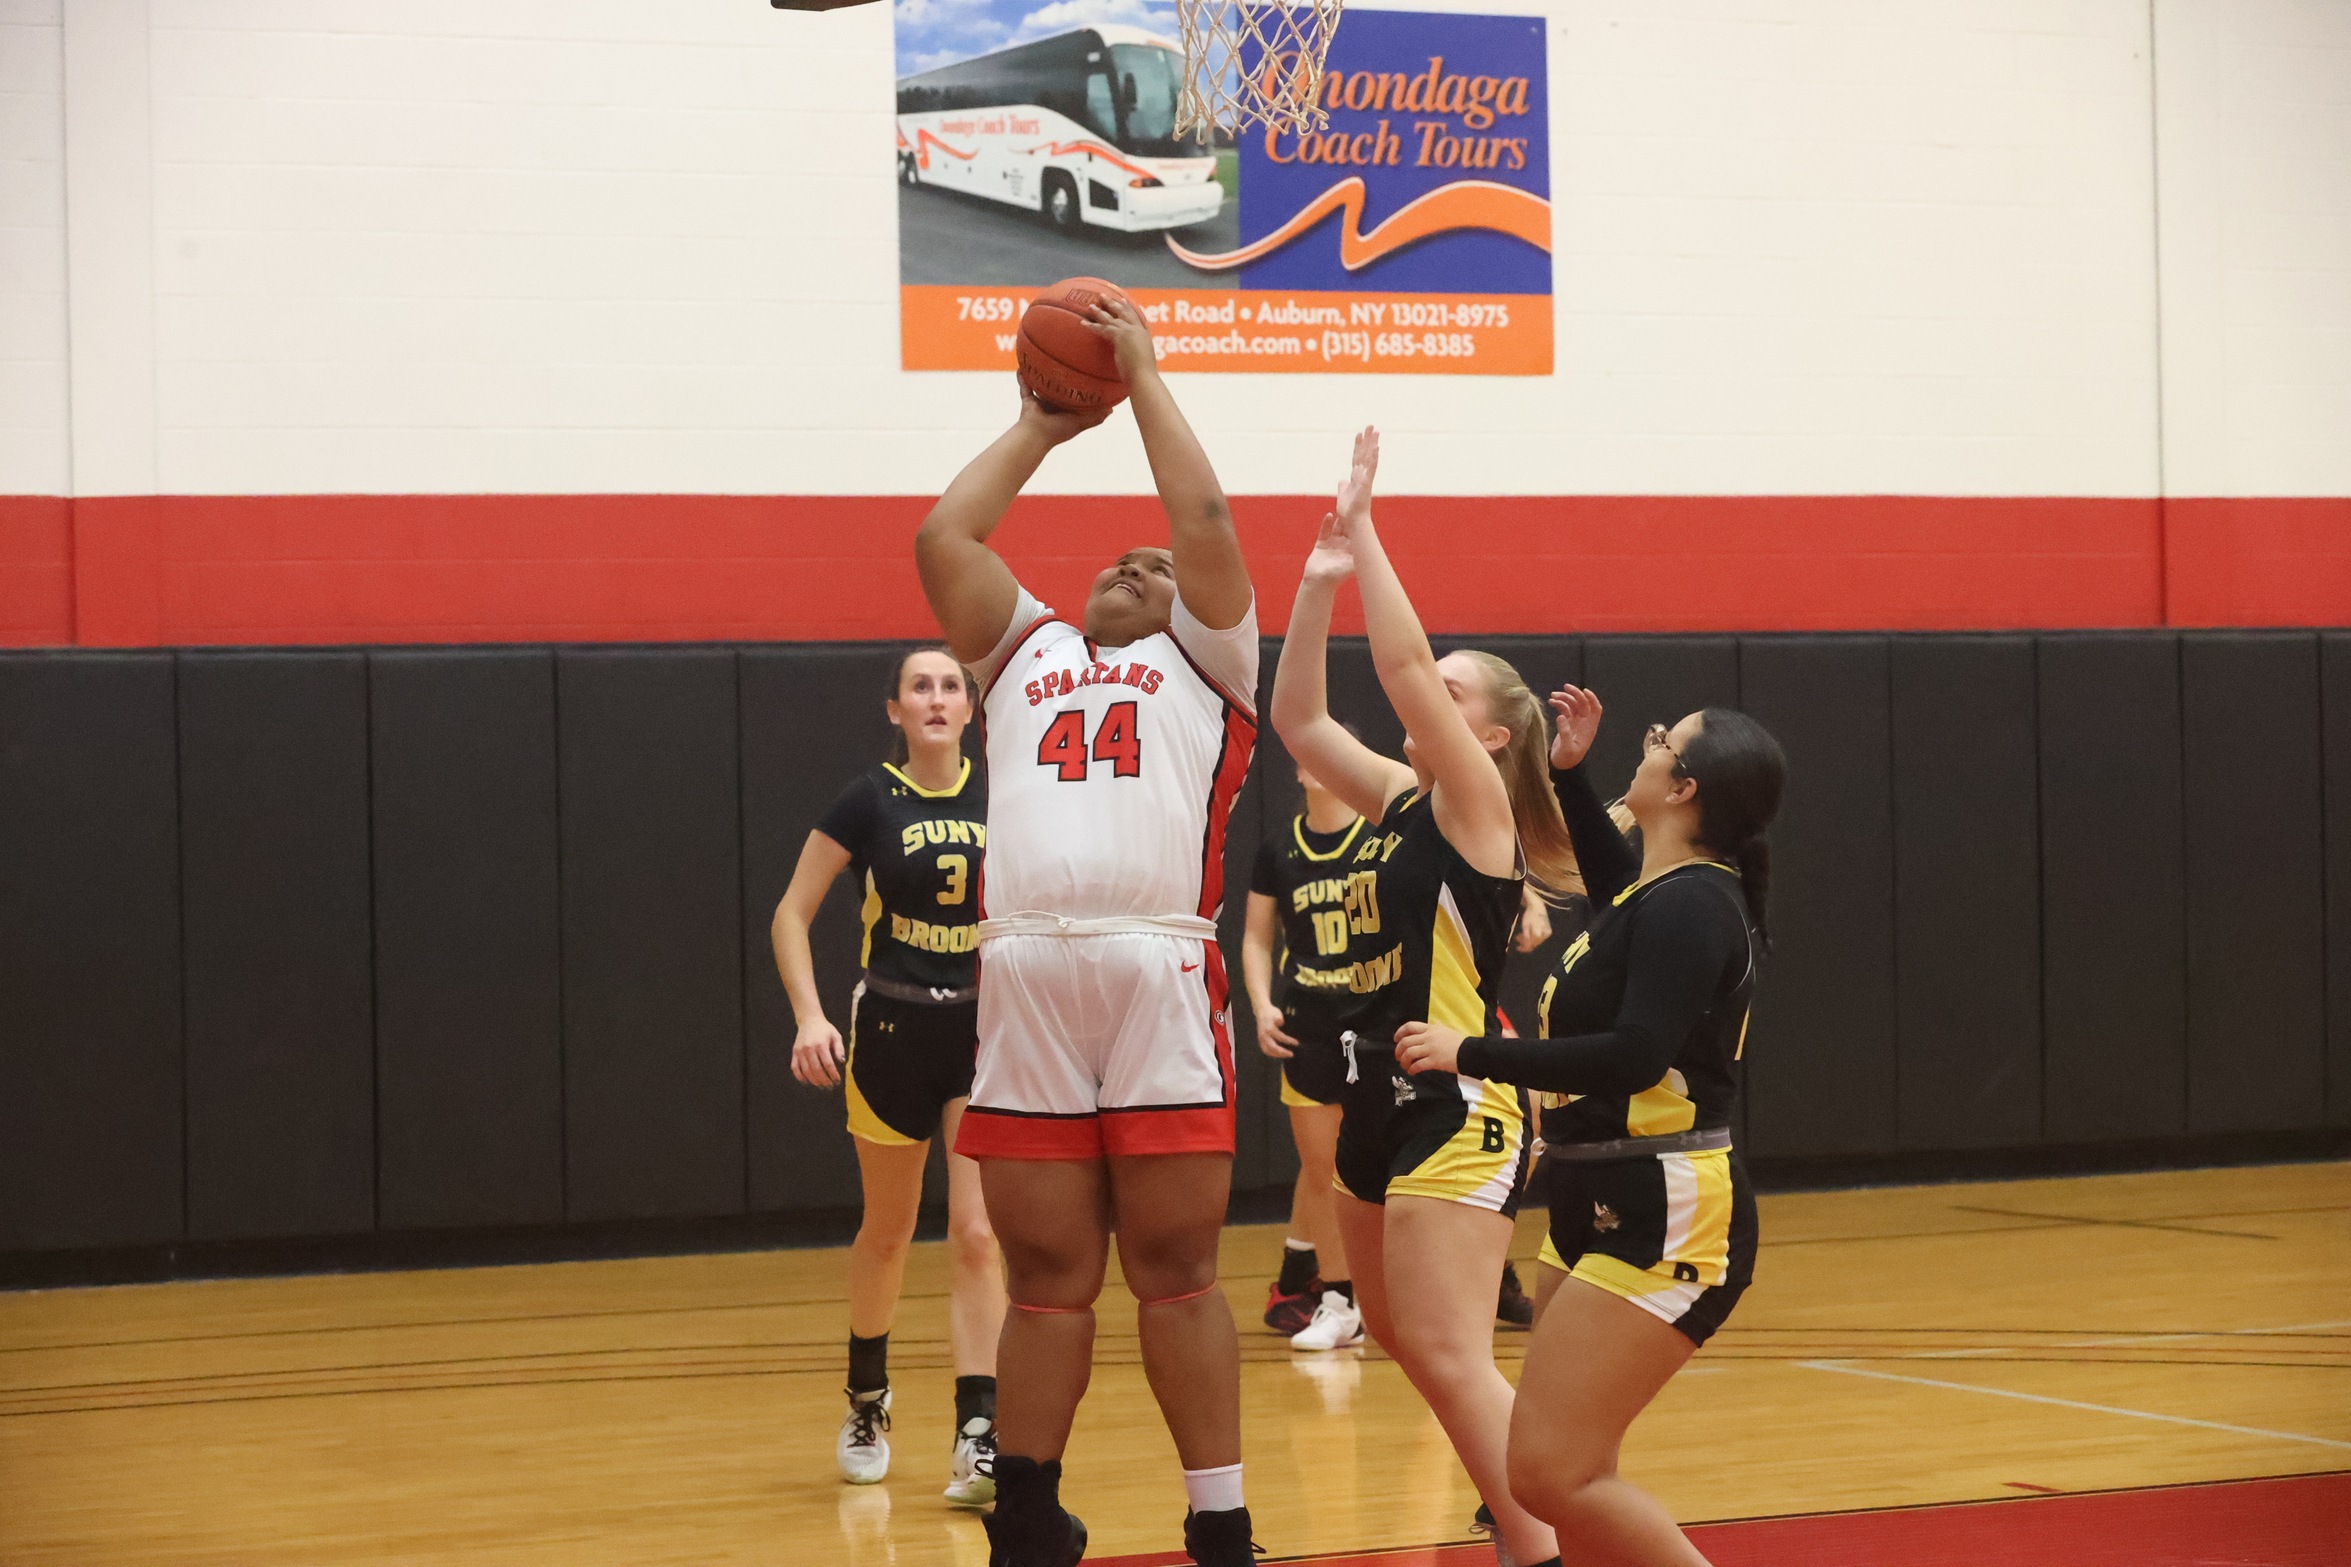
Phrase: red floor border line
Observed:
(2299, 1520)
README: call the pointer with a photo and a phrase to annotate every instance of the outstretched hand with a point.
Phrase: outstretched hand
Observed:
(1129, 334)
(1332, 560)
(1355, 493)
(1057, 424)
(1578, 712)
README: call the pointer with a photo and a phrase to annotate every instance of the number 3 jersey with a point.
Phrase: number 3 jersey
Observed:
(917, 855)
(1112, 771)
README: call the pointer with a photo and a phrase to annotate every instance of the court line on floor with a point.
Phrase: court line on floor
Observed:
(2134, 1340)
(2120, 1224)
(2071, 1403)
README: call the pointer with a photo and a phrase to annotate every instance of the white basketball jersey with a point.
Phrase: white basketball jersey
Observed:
(1112, 771)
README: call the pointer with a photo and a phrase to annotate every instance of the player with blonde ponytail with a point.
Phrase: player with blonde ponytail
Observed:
(1429, 1164)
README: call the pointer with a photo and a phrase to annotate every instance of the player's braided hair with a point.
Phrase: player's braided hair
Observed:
(1525, 762)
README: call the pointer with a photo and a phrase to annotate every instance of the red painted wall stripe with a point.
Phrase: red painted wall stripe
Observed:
(36, 571)
(186, 570)
(2288, 558)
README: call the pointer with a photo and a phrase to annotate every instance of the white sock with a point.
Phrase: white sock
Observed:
(1213, 1490)
(1289, 1244)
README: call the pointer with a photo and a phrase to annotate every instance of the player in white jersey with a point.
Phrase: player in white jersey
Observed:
(1104, 1092)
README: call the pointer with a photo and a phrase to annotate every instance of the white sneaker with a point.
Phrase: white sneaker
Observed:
(971, 1477)
(863, 1452)
(1337, 1324)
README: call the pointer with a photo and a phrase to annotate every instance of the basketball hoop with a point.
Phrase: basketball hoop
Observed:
(1250, 62)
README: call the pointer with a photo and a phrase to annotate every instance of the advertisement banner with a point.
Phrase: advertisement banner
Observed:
(1410, 235)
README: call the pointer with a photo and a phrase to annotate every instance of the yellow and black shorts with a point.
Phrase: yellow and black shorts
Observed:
(908, 1060)
(1457, 1139)
(1316, 1073)
(1673, 1233)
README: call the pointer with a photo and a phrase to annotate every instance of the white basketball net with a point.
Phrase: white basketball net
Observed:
(1283, 46)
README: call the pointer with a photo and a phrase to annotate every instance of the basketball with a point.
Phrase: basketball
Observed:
(1064, 361)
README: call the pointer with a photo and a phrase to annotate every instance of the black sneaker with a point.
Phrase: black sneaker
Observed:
(1512, 1309)
(1220, 1539)
(1030, 1527)
(1289, 1314)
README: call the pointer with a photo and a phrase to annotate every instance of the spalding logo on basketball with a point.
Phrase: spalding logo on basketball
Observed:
(1064, 361)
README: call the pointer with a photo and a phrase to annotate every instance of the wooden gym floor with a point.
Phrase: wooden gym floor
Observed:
(1900, 1347)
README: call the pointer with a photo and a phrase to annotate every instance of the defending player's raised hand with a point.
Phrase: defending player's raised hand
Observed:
(1129, 334)
(1270, 1037)
(817, 1055)
(1427, 1047)
(1355, 490)
(1578, 714)
(1332, 561)
(1057, 424)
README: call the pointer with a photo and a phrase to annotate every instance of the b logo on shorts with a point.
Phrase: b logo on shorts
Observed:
(1686, 1272)
(1493, 1142)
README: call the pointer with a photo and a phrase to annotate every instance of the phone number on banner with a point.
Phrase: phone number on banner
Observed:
(948, 328)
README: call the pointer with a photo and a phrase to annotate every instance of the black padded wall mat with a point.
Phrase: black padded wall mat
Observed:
(1651, 680)
(1967, 895)
(469, 995)
(2113, 917)
(1820, 1060)
(812, 720)
(89, 952)
(279, 944)
(2335, 694)
(302, 943)
(652, 950)
(2256, 897)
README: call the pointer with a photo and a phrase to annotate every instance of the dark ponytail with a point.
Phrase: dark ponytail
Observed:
(1741, 771)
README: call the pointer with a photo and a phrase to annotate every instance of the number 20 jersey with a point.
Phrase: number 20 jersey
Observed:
(1112, 771)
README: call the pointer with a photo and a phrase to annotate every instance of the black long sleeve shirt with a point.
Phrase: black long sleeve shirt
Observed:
(1641, 1028)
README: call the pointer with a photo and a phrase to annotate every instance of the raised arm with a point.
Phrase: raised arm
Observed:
(970, 588)
(1211, 577)
(1471, 804)
(1608, 863)
(1347, 767)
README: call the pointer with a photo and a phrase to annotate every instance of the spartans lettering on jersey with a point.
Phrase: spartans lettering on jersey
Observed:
(924, 936)
(1060, 682)
(919, 836)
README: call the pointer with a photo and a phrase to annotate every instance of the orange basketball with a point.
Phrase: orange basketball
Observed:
(1065, 362)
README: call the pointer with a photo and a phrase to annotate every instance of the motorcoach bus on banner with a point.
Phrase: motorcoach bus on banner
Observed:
(1080, 126)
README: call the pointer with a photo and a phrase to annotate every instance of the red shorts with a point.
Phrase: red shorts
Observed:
(1094, 1045)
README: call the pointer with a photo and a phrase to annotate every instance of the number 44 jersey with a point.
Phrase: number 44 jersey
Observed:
(1112, 771)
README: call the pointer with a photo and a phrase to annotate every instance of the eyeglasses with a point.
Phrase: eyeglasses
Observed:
(1660, 738)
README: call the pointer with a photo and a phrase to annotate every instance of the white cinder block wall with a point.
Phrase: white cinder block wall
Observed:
(35, 452)
(1801, 246)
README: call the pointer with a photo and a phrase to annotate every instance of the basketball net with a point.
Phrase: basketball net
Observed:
(1249, 62)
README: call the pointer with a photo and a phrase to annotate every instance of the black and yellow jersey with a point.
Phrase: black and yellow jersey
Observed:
(1642, 1025)
(917, 856)
(1308, 875)
(1441, 928)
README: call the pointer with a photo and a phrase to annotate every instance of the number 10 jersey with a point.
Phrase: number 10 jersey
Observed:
(1112, 771)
